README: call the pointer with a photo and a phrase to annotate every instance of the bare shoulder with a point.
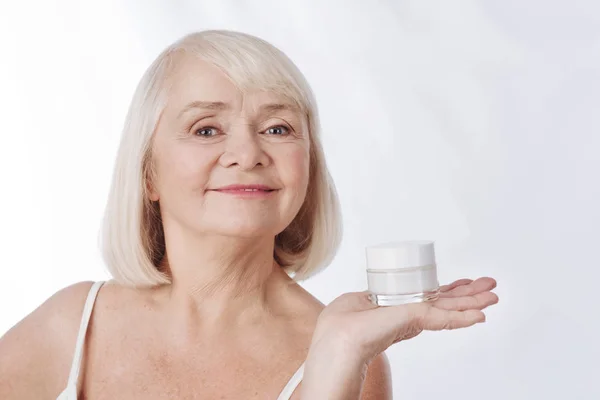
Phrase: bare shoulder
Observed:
(305, 307)
(35, 354)
(378, 382)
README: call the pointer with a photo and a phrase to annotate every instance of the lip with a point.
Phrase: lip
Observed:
(247, 191)
(244, 187)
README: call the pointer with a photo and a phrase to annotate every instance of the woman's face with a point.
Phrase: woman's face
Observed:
(211, 136)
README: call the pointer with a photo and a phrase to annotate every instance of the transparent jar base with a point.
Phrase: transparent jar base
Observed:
(399, 299)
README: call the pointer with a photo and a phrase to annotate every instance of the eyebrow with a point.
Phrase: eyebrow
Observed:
(219, 106)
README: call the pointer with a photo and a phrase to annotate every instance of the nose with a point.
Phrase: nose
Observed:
(244, 149)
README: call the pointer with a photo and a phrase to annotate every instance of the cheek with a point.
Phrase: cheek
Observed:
(184, 168)
(294, 168)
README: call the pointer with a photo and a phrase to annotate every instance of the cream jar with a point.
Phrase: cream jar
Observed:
(402, 272)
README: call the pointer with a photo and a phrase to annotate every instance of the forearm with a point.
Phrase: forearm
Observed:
(332, 375)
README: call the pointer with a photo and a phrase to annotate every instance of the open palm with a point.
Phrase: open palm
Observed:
(361, 326)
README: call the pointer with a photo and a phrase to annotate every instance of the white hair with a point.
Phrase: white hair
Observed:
(132, 241)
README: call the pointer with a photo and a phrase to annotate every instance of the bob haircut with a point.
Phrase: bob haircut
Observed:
(132, 237)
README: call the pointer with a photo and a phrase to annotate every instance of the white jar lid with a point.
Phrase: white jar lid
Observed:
(402, 254)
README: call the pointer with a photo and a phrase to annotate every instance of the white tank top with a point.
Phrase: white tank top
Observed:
(70, 392)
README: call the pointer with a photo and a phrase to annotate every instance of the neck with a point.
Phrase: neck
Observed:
(219, 282)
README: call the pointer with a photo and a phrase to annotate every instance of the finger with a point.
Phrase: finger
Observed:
(437, 319)
(352, 302)
(477, 301)
(460, 282)
(477, 286)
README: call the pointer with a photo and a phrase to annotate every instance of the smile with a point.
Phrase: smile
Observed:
(247, 193)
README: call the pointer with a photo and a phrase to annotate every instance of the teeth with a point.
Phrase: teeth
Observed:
(250, 190)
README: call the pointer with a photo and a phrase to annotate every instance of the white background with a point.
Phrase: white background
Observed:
(472, 123)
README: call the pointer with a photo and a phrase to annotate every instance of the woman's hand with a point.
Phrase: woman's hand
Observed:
(353, 322)
(352, 330)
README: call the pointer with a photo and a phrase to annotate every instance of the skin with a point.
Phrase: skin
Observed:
(232, 324)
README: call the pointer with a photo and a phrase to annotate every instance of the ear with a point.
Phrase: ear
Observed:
(152, 193)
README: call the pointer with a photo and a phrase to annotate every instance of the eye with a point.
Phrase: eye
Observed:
(207, 131)
(277, 130)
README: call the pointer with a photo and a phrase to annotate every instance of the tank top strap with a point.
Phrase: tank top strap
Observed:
(292, 384)
(85, 319)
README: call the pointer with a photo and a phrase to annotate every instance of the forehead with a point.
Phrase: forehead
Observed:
(193, 79)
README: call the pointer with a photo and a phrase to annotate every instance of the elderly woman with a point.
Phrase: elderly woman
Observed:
(220, 202)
